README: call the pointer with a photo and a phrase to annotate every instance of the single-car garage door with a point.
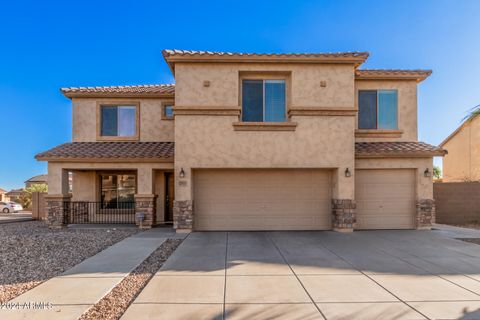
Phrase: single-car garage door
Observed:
(262, 199)
(385, 199)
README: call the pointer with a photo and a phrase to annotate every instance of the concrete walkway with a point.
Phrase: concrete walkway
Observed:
(76, 290)
(15, 217)
(315, 275)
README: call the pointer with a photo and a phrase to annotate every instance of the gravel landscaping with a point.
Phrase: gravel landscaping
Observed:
(31, 253)
(114, 304)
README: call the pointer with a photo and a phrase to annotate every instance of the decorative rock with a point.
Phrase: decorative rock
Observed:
(425, 213)
(147, 205)
(343, 215)
(183, 215)
(57, 209)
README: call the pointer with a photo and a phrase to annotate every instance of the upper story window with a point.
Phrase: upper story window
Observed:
(263, 101)
(118, 121)
(378, 109)
(167, 110)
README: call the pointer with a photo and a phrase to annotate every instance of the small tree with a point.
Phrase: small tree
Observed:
(437, 172)
(26, 197)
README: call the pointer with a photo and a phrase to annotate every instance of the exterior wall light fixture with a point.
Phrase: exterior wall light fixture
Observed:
(182, 173)
(348, 174)
(426, 173)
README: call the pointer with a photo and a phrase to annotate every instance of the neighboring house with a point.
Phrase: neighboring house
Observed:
(249, 142)
(14, 194)
(40, 179)
(462, 163)
(3, 196)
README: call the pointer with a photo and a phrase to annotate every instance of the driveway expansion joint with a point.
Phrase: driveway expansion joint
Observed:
(296, 276)
(283, 274)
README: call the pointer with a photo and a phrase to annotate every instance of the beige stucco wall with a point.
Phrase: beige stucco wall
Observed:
(224, 84)
(462, 163)
(424, 185)
(407, 106)
(85, 186)
(152, 127)
(317, 142)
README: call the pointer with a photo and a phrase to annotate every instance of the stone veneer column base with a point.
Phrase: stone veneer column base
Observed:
(343, 215)
(183, 215)
(425, 214)
(57, 207)
(146, 203)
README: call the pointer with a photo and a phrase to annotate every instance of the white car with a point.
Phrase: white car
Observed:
(7, 207)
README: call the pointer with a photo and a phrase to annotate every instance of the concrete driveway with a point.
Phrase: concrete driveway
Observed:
(315, 275)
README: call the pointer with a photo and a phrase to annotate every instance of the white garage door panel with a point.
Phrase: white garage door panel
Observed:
(385, 199)
(262, 199)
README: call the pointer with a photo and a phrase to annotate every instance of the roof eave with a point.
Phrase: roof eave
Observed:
(72, 95)
(405, 78)
(428, 154)
(415, 75)
(72, 159)
(172, 59)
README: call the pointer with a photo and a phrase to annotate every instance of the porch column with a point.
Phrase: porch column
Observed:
(145, 199)
(58, 198)
(343, 205)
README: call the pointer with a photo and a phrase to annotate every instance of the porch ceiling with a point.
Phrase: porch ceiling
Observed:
(110, 151)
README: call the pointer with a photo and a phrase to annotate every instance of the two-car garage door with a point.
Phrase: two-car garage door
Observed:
(262, 199)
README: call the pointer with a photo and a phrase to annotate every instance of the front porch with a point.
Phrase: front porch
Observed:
(103, 193)
(86, 212)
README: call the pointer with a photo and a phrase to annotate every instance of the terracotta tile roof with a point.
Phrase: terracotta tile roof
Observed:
(172, 56)
(382, 74)
(397, 149)
(131, 150)
(192, 53)
(152, 90)
(111, 151)
(2, 191)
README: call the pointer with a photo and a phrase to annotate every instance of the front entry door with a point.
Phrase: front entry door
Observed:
(169, 196)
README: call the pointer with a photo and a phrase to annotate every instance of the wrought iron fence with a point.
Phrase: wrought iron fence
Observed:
(79, 212)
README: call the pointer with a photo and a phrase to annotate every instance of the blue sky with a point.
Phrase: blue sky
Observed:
(46, 45)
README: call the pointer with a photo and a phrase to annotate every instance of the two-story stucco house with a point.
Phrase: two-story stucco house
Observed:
(249, 142)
